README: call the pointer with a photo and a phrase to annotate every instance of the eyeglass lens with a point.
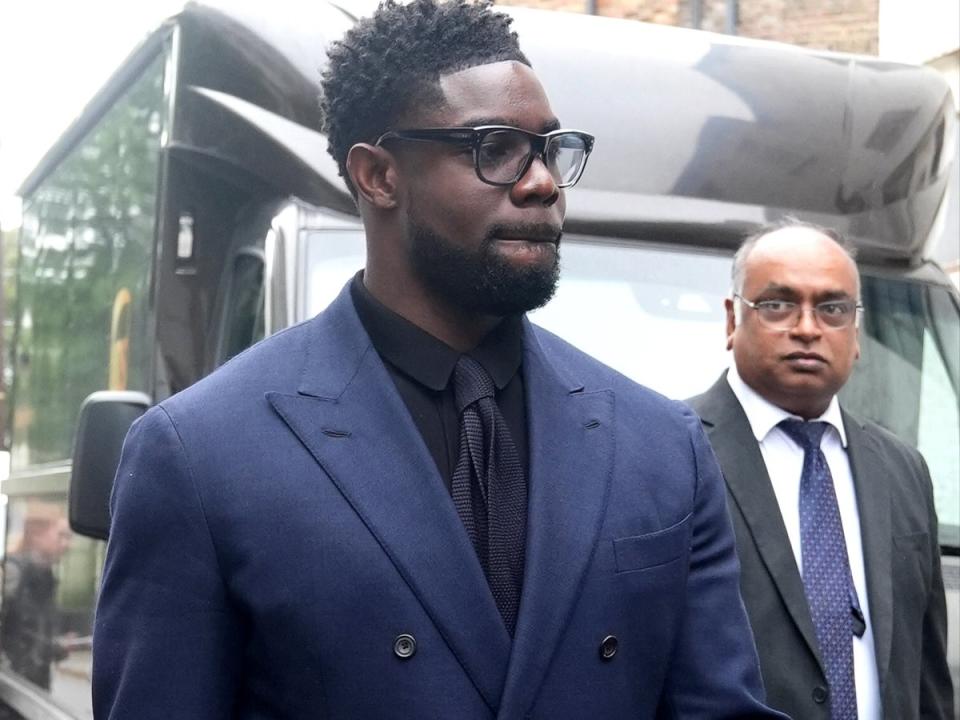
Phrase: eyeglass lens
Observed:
(784, 315)
(504, 155)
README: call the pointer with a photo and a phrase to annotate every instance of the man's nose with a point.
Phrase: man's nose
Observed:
(808, 325)
(536, 185)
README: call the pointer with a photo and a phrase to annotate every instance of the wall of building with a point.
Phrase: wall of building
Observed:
(662, 12)
(843, 25)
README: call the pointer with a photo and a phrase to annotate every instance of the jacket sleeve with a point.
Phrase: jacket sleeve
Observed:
(936, 687)
(166, 642)
(715, 672)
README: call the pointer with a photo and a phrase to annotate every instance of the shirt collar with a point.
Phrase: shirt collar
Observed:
(427, 359)
(764, 416)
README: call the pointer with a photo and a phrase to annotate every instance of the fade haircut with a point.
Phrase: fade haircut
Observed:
(788, 221)
(389, 64)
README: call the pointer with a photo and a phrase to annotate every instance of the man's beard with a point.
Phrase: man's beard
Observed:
(482, 281)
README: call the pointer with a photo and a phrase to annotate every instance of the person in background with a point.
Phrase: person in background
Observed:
(29, 618)
(834, 518)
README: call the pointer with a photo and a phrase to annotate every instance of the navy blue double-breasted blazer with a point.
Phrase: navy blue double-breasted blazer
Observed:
(279, 524)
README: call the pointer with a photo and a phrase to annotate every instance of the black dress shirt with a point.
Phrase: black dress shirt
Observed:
(421, 367)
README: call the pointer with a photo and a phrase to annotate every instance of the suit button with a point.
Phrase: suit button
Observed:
(608, 648)
(404, 646)
(819, 694)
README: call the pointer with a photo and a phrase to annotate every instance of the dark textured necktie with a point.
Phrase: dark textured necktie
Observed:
(826, 568)
(489, 487)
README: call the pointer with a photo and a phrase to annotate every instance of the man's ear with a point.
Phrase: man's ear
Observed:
(731, 321)
(373, 171)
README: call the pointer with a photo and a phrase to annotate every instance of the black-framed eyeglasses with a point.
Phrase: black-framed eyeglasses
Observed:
(503, 154)
(785, 314)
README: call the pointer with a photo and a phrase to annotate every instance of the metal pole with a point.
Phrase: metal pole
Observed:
(732, 17)
(591, 7)
(3, 349)
(696, 13)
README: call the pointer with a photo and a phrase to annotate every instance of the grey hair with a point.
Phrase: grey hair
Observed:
(738, 271)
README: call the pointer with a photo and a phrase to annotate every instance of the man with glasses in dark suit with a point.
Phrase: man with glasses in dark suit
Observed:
(835, 521)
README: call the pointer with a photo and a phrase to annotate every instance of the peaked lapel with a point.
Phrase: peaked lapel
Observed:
(871, 481)
(353, 421)
(571, 460)
(746, 476)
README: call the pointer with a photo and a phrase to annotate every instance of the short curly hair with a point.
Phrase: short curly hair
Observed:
(391, 62)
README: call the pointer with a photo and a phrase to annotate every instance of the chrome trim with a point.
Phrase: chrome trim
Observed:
(52, 479)
(171, 73)
(29, 701)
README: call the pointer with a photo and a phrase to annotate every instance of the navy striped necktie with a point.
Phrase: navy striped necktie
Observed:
(826, 568)
(489, 487)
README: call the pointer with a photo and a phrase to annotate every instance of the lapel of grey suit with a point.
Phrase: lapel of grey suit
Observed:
(871, 482)
(353, 421)
(746, 475)
(571, 461)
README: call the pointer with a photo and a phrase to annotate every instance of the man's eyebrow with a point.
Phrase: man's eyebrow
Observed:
(828, 295)
(782, 290)
(786, 291)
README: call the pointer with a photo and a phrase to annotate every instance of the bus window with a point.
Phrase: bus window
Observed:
(243, 323)
(906, 380)
(655, 315)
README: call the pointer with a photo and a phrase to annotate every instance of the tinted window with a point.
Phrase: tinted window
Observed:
(244, 315)
(906, 380)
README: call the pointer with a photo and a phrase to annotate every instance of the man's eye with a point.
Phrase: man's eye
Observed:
(777, 306)
(494, 151)
(833, 308)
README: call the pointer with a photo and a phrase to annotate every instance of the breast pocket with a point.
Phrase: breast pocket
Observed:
(643, 552)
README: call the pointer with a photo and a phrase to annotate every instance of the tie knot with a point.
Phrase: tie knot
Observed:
(470, 383)
(805, 434)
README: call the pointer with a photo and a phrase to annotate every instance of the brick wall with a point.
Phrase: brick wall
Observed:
(844, 25)
(663, 12)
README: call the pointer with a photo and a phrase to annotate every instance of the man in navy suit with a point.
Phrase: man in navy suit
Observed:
(417, 504)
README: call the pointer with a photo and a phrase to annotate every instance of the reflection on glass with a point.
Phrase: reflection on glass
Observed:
(31, 635)
(906, 380)
(87, 235)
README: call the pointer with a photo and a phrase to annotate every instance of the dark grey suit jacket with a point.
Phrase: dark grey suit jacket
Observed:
(901, 554)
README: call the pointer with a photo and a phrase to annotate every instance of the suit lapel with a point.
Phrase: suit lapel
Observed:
(870, 479)
(749, 483)
(571, 459)
(350, 417)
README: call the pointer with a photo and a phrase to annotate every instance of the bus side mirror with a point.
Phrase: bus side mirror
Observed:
(105, 417)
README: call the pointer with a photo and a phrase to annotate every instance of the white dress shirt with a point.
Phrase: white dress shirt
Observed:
(784, 461)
